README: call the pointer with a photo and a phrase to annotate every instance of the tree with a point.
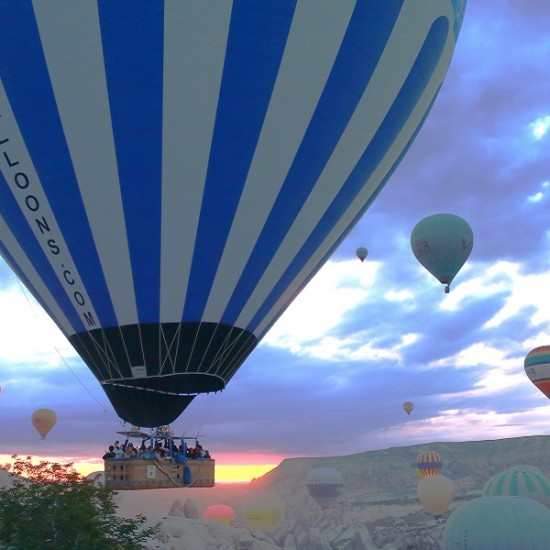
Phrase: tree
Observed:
(51, 506)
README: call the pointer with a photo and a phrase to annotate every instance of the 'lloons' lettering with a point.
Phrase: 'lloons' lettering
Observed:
(30, 204)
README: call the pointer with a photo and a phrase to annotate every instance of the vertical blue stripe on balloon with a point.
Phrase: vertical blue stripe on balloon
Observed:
(26, 80)
(134, 81)
(405, 102)
(356, 61)
(256, 42)
(353, 222)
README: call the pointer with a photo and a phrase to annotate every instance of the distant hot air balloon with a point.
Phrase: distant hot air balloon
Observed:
(498, 523)
(442, 244)
(222, 513)
(263, 511)
(43, 421)
(429, 463)
(436, 494)
(324, 485)
(362, 253)
(520, 481)
(537, 368)
(203, 160)
(408, 407)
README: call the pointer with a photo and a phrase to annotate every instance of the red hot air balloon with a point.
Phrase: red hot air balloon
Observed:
(222, 513)
(203, 160)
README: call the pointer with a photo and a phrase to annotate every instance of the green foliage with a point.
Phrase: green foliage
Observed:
(51, 506)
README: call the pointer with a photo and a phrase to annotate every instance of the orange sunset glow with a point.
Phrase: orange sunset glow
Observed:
(229, 469)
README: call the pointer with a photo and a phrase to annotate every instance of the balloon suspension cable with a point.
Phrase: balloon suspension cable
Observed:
(59, 353)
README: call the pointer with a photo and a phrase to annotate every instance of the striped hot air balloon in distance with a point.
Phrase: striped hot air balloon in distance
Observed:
(324, 485)
(429, 463)
(520, 481)
(537, 368)
(498, 523)
(173, 173)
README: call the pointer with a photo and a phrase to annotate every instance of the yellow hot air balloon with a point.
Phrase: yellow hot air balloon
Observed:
(263, 511)
(43, 421)
(436, 494)
(408, 407)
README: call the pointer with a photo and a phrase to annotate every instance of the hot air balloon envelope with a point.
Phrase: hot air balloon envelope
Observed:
(43, 421)
(362, 253)
(408, 407)
(324, 485)
(174, 173)
(520, 482)
(222, 513)
(436, 494)
(442, 244)
(263, 511)
(498, 523)
(429, 463)
(537, 368)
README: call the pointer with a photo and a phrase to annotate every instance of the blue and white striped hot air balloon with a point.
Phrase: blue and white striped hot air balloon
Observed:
(174, 172)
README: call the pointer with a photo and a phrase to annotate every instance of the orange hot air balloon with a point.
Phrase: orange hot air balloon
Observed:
(408, 406)
(222, 513)
(43, 421)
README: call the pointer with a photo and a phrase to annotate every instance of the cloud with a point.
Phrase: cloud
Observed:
(28, 334)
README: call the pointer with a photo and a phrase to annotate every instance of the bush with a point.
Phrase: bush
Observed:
(50, 505)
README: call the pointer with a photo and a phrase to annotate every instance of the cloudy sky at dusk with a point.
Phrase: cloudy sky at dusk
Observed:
(331, 376)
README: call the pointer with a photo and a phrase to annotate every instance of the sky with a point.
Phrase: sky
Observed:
(331, 376)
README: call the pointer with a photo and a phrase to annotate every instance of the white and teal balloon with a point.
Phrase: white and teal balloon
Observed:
(442, 243)
(174, 173)
(520, 481)
(498, 523)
